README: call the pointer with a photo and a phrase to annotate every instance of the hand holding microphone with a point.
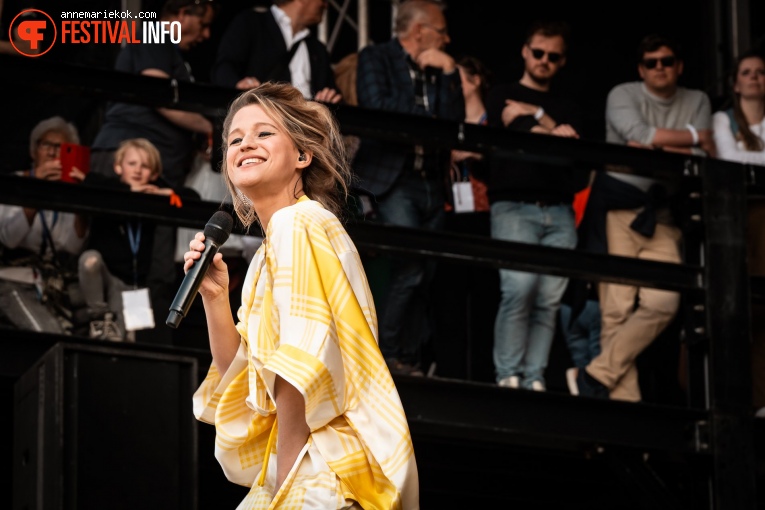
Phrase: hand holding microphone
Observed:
(206, 272)
(215, 281)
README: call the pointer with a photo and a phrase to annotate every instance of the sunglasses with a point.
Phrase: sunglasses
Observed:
(552, 56)
(650, 63)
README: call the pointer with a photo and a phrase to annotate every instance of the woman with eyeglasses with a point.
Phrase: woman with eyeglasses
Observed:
(739, 132)
(34, 240)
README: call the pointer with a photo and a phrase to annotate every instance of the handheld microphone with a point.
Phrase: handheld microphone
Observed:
(216, 232)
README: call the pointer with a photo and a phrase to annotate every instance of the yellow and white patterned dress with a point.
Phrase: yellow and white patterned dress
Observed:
(307, 315)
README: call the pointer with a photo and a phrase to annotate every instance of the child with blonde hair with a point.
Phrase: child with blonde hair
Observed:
(119, 250)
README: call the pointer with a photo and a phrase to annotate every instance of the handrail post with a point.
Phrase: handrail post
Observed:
(729, 378)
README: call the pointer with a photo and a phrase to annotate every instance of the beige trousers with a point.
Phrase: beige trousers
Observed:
(632, 317)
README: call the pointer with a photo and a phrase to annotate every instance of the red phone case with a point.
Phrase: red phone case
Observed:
(73, 155)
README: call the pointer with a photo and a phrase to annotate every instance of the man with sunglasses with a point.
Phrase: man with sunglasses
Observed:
(657, 113)
(531, 202)
(632, 212)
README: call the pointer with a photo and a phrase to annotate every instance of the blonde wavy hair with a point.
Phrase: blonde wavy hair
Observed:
(312, 128)
(152, 154)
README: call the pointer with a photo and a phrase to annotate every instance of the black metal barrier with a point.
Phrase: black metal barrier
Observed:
(718, 424)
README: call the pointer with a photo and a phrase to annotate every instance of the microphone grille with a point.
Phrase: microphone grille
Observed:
(219, 227)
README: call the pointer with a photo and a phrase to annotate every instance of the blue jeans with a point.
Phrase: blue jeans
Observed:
(582, 333)
(525, 323)
(414, 202)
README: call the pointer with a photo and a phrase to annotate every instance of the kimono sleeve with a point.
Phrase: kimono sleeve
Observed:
(301, 261)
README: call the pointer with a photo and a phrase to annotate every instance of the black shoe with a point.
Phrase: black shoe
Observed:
(588, 386)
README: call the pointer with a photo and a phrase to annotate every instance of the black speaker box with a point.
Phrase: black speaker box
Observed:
(108, 426)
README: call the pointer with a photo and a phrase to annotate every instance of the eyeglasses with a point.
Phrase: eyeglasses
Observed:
(441, 31)
(650, 63)
(48, 146)
(552, 56)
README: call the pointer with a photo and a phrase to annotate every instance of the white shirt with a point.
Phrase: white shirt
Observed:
(16, 232)
(300, 65)
(729, 148)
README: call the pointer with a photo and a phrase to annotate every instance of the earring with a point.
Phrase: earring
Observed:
(246, 201)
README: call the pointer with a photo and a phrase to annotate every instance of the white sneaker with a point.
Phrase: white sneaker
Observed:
(571, 380)
(537, 386)
(512, 381)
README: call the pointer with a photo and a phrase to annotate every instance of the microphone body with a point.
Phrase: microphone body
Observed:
(216, 233)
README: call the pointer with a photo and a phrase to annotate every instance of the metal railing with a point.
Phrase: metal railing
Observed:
(713, 280)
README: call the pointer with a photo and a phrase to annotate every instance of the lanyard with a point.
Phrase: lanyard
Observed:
(135, 243)
(47, 238)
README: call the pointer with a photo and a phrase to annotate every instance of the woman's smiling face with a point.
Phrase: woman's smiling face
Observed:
(261, 158)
